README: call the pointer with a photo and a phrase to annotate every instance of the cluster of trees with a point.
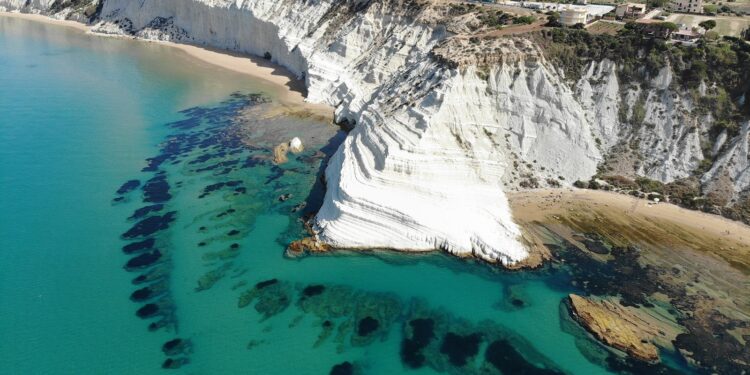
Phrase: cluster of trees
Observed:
(712, 9)
(498, 19)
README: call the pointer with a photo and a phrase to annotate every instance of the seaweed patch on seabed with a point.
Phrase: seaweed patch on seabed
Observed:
(429, 337)
(149, 246)
(206, 159)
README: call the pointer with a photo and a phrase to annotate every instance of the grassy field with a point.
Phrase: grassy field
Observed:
(605, 27)
(724, 25)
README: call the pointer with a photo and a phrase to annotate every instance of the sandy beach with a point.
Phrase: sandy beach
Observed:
(289, 90)
(630, 219)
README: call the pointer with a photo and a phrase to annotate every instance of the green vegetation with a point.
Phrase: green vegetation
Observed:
(671, 26)
(708, 24)
(523, 20)
(710, 9)
(639, 112)
(553, 19)
(723, 66)
(496, 19)
(88, 8)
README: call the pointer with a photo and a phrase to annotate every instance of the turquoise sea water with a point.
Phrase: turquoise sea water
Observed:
(81, 115)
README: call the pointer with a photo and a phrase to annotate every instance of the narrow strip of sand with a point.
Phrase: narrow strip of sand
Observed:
(289, 89)
(536, 205)
(48, 20)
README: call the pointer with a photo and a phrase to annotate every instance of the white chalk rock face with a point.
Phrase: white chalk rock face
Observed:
(425, 167)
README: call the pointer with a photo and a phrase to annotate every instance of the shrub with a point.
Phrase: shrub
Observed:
(671, 26)
(621, 182)
(523, 20)
(710, 9)
(553, 19)
(708, 24)
(650, 186)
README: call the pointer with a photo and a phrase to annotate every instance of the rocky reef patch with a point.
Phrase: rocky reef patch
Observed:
(429, 337)
(220, 154)
(660, 301)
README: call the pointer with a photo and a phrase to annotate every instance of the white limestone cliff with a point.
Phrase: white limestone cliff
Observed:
(438, 138)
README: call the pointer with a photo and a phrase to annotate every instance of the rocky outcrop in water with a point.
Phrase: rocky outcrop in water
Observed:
(615, 326)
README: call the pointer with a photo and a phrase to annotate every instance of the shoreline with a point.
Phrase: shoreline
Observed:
(630, 207)
(289, 90)
(631, 220)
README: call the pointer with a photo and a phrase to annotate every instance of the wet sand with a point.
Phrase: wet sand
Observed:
(290, 92)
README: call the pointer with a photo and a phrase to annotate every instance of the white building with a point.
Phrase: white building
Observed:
(686, 6)
(630, 10)
(571, 16)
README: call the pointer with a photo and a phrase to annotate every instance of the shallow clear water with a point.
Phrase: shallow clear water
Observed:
(80, 115)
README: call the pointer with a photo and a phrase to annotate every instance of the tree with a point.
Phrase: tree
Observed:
(708, 24)
(671, 26)
(553, 19)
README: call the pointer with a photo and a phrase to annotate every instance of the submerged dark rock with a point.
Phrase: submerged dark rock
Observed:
(143, 211)
(139, 246)
(148, 310)
(176, 346)
(313, 290)
(150, 225)
(460, 348)
(710, 344)
(142, 294)
(144, 260)
(174, 363)
(367, 325)
(218, 186)
(344, 368)
(153, 274)
(623, 274)
(156, 190)
(266, 283)
(422, 333)
(595, 244)
(504, 357)
(128, 186)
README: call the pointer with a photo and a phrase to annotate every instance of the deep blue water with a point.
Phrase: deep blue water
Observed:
(80, 116)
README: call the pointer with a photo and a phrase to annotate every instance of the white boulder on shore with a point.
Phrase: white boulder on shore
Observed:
(295, 145)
